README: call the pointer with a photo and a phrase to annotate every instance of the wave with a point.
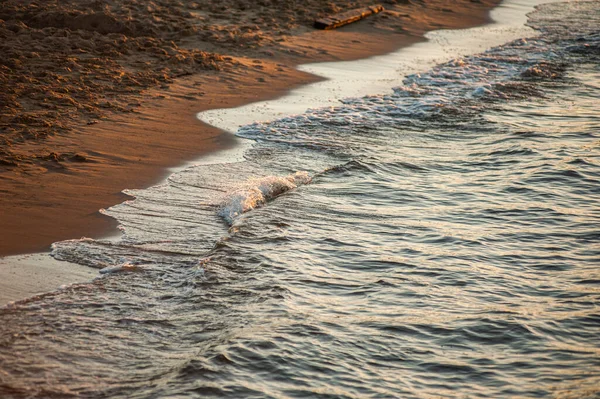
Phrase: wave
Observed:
(255, 193)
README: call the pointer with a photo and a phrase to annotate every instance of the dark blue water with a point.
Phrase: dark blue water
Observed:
(441, 241)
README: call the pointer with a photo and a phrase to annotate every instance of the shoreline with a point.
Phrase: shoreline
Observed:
(130, 151)
(140, 161)
(75, 174)
(379, 74)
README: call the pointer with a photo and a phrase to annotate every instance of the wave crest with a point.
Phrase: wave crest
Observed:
(254, 193)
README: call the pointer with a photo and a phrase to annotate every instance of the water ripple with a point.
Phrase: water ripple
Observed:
(447, 246)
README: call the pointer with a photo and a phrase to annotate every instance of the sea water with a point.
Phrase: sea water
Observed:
(442, 240)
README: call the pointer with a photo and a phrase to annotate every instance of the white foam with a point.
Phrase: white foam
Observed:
(256, 192)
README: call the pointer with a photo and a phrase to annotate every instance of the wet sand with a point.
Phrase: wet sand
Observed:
(28, 275)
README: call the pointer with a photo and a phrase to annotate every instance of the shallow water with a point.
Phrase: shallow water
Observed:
(440, 241)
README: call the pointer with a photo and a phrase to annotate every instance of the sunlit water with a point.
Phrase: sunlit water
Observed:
(441, 241)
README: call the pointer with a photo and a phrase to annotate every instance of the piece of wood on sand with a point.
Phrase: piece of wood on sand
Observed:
(347, 17)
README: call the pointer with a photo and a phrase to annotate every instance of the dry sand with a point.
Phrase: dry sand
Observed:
(99, 96)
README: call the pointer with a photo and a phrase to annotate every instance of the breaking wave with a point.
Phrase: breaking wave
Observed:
(257, 192)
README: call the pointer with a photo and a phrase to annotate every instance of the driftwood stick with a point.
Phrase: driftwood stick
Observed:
(347, 17)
